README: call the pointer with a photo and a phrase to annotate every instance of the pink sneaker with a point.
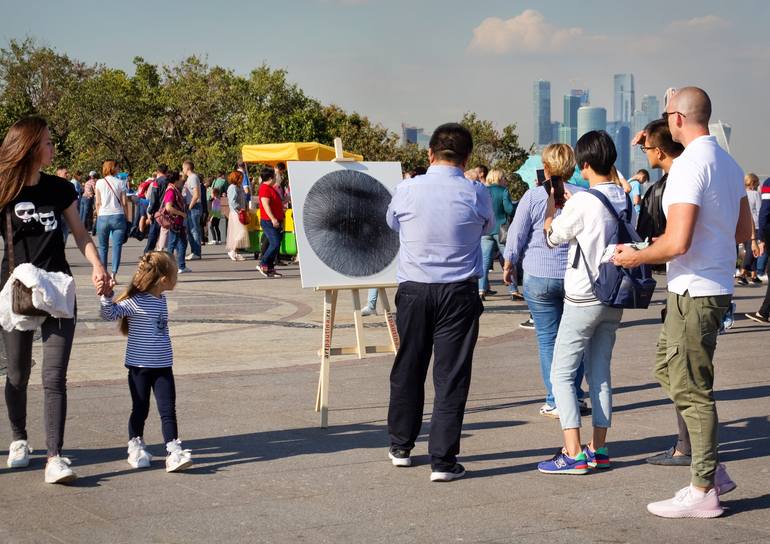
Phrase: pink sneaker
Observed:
(688, 503)
(722, 482)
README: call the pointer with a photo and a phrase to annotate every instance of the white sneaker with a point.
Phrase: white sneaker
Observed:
(138, 457)
(192, 257)
(549, 411)
(211, 243)
(177, 458)
(367, 311)
(18, 454)
(184, 270)
(688, 503)
(58, 471)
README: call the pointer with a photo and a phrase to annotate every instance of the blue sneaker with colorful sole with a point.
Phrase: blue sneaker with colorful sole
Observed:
(561, 463)
(599, 459)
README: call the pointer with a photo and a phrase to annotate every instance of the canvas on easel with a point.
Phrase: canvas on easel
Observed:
(344, 243)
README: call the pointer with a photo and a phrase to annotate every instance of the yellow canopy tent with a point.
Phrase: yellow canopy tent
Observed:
(292, 151)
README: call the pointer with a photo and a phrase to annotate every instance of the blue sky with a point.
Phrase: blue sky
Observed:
(426, 61)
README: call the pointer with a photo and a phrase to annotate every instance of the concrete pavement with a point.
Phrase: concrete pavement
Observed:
(264, 472)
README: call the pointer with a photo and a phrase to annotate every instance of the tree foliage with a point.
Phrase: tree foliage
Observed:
(191, 110)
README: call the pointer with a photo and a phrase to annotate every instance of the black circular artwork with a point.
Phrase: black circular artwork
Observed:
(344, 221)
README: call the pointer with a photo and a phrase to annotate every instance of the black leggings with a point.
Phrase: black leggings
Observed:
(57, 345)
(141, 381)
(215, 232)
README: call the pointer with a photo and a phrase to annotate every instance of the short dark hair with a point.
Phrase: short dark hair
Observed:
(172, 176)
(484, 170)
(281, 166)
(418, 171)
(657, 134)
(163, 168)
(451, 142)
(266, 173)
(645, 174)
(596, 149)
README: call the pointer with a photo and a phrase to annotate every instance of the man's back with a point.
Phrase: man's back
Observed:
(707, 176)
(440, 217)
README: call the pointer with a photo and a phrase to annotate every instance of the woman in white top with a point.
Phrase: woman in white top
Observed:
(587, 328)
(111, 215)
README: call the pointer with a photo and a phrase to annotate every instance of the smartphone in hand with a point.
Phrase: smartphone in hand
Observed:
(558, 190)
(540, 177)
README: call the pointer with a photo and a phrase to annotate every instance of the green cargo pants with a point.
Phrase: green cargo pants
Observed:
(684, 366)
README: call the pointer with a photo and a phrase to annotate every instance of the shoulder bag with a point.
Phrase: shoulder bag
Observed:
(21, 295)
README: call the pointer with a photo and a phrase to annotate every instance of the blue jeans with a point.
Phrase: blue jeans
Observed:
(193, 222)
(177, 243)
(86, 212)
(545, 298)
(489, 242)
(274, 236)
(586, 335)
(111, 228)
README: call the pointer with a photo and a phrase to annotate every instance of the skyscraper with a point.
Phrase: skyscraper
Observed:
(583, 94)
(591, 118)
(621, 137)
(571, 106)
(625, 104)
(651, 106)
(541, 102)
(722, 132)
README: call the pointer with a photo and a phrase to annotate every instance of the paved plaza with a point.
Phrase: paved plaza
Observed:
(246, 366)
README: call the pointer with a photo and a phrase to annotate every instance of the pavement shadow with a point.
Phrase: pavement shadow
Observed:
(746, 505)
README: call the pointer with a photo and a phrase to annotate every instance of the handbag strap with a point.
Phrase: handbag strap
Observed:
(9, 241)
(113, 191)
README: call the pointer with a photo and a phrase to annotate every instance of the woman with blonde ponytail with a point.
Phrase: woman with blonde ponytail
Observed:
(143, 316)
(33, 209)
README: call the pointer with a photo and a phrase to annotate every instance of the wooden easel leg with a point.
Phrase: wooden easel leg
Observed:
(322, 396)
(389, 321)
(359, 323)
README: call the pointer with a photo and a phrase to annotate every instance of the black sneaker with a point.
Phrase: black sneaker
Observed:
(742, 280)
(668, 459)
(457, 471)
(528, 324)
(400, 457)
(756, 280)
(759, 318)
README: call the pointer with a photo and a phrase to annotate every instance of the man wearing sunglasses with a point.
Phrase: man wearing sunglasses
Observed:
(707, 213)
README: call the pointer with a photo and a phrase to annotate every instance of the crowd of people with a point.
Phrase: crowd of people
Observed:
(552, 242)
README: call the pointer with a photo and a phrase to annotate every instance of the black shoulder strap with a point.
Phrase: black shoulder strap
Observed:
(607, 204)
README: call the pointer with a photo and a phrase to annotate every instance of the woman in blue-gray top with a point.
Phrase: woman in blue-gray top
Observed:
(143, 318)
(544, 268)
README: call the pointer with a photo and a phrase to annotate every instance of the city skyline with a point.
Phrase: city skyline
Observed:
(364, 57)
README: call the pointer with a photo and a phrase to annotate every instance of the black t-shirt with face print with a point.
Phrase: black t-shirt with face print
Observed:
(36, 222)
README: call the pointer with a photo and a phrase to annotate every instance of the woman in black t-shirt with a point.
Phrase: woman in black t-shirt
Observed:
(37, 203)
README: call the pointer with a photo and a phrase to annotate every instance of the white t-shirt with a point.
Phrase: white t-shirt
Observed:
(111, 204)
(707, 176)
(191, 183)
(586, 221)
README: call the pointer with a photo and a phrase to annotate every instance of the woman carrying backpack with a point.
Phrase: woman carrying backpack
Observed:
(587, 328)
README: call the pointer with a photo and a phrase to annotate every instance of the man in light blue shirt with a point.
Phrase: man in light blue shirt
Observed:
(440, 218)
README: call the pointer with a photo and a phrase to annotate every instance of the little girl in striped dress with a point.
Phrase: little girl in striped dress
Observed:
(143, 316)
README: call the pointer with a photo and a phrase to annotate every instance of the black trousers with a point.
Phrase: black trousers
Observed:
(143, 381)
(57, 345)
(765, 308)
(442, 319)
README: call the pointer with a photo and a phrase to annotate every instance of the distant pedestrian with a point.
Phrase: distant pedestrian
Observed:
(111, 203)
(143, 314)
(271, 220)
(237, 234)
(215, 216)
(194, 209)
(174, 205)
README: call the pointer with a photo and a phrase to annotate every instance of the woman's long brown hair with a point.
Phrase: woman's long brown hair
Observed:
(18, 156)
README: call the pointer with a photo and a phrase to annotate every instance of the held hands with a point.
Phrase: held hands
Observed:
(102, 281)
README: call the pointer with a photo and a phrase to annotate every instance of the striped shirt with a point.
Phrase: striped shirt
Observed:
(526, 237)
(149, 344)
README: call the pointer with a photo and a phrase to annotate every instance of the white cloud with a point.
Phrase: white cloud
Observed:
(528, 32)
(707, 22)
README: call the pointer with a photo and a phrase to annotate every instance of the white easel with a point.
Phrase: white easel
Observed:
(329, 313)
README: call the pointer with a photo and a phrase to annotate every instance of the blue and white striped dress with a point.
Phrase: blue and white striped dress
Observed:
(149, 344)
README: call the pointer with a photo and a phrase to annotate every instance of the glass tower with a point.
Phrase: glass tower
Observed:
(541, 101)
(591, 118)
(624, 97)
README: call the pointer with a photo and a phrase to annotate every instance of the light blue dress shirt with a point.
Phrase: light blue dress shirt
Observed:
(440, 218)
